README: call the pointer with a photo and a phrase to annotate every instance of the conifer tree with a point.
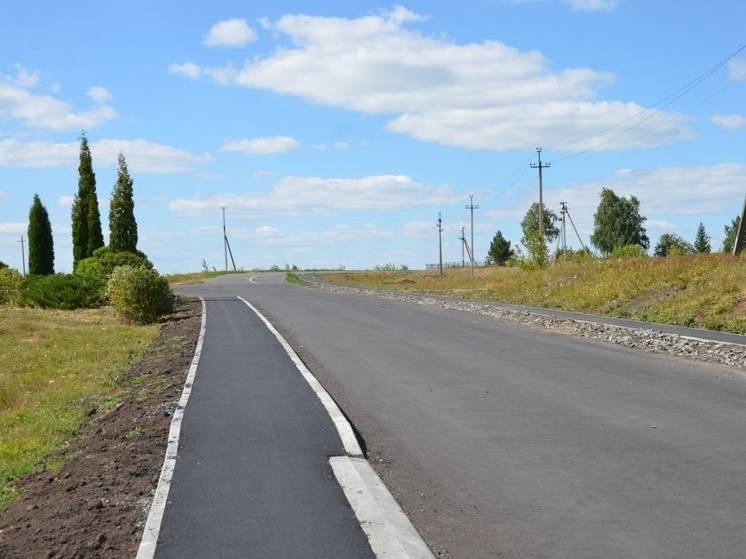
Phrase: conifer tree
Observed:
(40, 241)
(122, 224)
(702, 240)
(86, 218)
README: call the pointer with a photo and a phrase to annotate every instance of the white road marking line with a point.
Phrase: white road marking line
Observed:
(158, 505)
(390, 533)
(343, 426)
(252, 280)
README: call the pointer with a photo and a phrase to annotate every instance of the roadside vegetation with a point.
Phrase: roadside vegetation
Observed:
(57, 368)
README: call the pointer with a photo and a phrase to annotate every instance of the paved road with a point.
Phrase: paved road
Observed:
(502, 441)
(252, 478)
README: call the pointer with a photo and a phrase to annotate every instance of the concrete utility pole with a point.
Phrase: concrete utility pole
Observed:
(23, 255)
(541, 166)
(740, 242)
(463, 240)
(226, 245)
(471, 207)
(440, 244)
(564, 226)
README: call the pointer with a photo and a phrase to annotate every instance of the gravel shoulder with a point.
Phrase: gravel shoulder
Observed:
(96, 503)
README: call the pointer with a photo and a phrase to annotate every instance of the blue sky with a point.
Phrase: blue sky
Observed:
(335, 132)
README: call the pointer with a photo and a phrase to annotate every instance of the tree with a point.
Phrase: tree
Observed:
(3, 265)
(86, 218)
(500, 250)
(530, 223)
(122, 224)
(618, 222)
(730, 235)
(702, 240)
(671, 244)
(40, 242)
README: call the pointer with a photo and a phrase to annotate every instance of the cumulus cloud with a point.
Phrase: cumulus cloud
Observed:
(729, 122)
(270, 145)
(66, 201)
(484, 95)
(99, 94)
(737, 69)
(592, 5)
(229, 33)
(314, 195)
(12, 228)
(143, 156)
(34, 110)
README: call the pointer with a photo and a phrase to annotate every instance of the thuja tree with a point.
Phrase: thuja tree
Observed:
(86, 226)
(122, 224)
(40, 241)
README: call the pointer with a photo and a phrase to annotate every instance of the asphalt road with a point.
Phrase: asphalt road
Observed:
(252, 477)
(504, 441)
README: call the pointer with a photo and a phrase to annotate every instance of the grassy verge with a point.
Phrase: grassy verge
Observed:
(706, 291)
(194, 277)
(292, 277)
(56, 366)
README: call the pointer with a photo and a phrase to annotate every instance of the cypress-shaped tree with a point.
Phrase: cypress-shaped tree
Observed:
(122, 224)
(40, 242)
(702, 240)
(87, 235)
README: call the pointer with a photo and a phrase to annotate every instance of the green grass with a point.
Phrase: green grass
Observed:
(194, 277)
(55, 367)
(705, 291)
(292, 277)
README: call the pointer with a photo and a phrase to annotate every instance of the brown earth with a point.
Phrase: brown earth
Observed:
(96, 503)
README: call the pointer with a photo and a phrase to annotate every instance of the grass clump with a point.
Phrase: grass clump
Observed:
(705, 291)
(56, 366)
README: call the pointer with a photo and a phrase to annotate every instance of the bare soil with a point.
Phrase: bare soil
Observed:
(96, 503)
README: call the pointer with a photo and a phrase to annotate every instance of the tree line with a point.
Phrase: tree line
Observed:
(86, 219)
(618, 230)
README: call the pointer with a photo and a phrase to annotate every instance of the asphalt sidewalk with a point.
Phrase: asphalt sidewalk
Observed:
(252, 478)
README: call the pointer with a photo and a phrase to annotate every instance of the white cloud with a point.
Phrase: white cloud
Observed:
(341, 145)
(188, 70)
(729, 122)
(592, 5)
(230, 33)
(313, 195)
(262, 146)
(12, 228)
(99, 94)
(34, 110)
(737, 69)
(480, 95)
(143, 156)
(262, 174)
(65, 201)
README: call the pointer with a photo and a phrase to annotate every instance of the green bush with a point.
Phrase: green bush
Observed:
(11, 283)
(139, 294)
(629, 251)
(58, 291)
(96, 270)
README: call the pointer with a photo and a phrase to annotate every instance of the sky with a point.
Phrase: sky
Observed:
(335, 132)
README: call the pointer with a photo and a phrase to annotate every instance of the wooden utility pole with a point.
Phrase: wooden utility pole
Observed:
(541, 166)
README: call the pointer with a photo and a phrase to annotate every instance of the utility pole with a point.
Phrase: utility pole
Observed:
(567, 212)
(440, 244)
(471, 207)
(541, 166)
(463, 240)
(564, 226)
(227, 245)
(23, 255)
(740, 242)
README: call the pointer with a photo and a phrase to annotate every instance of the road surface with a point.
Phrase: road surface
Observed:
(503, 441)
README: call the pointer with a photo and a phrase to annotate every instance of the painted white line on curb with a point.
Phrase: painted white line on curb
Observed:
(252, 278)
(158, 505)
(390, 533)
(343, 426)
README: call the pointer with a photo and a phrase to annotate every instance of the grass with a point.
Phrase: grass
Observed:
(194, 277)
(56, 367)
(292, 277)
(704, 291)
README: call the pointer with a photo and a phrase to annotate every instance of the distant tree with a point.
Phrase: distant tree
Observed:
(618, 222)
(122, 224)
(500, 250)
(702, 240)
(730, 235)
(3, 265)
(670, 244)
(536, 248)
(86, 219)
(530, 223)
(40, 242)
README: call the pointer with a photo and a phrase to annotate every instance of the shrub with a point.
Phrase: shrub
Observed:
(96, 270)
(58, 291)
(629, 251)
(11, 283)
(139, 294)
